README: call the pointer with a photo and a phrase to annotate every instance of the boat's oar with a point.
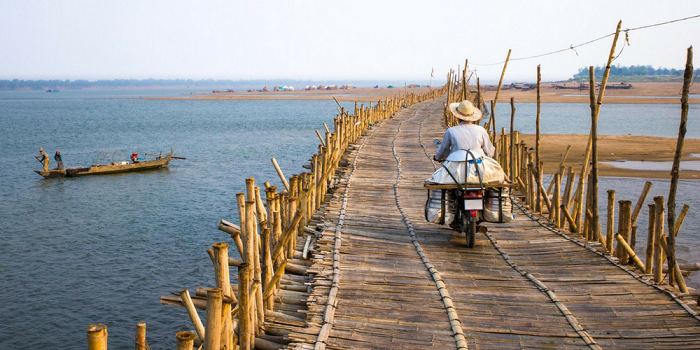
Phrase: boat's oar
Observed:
(173, 157)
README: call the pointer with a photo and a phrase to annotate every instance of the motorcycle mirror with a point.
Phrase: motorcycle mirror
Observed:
(436, 143)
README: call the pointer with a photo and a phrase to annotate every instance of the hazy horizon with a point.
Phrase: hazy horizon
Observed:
(315, 40)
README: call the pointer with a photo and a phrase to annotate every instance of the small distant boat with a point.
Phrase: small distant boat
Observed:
(112, 165)
(624, 86)
(54, 90)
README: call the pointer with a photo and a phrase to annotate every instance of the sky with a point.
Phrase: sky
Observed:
(322, 40)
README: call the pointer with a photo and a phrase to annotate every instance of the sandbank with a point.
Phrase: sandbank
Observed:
(615, 148)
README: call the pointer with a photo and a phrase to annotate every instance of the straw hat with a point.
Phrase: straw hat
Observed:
(465, 110)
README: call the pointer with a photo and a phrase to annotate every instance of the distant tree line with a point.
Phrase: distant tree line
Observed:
(622, 71)
(17, 84)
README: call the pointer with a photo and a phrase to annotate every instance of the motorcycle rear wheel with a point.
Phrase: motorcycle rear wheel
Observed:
(469, 228)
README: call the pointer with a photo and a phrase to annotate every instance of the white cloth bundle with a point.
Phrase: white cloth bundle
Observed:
(489, 170)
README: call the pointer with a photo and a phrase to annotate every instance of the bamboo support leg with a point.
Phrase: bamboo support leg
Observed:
(212, 338)
(610, 227)
(97, 337)
(649, 257)
(658, 232)
(141, 336)
(185, 340)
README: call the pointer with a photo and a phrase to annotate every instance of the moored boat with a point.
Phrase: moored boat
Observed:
(112, 166)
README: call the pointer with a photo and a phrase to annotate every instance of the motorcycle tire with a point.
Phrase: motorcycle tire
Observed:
(468, 227)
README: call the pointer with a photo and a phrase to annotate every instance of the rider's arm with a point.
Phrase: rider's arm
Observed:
(444, 150)
(487, 146)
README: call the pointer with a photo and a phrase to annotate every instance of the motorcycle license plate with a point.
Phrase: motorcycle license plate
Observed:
(474, 204)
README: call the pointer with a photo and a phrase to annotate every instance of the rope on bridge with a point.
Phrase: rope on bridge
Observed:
(456, 325)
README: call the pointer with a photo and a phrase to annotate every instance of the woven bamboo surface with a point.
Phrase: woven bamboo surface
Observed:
(537, 290)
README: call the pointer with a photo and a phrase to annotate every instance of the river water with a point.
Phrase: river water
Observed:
(103, 249)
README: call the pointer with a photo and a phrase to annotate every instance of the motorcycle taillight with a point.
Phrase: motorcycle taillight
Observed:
(472, 194)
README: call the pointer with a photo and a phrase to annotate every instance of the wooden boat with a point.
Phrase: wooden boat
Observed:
(112, 166)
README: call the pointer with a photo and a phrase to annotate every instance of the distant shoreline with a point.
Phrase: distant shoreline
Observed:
(640, 93)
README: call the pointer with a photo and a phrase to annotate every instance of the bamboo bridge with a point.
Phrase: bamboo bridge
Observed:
(343, 258)
(406, 283)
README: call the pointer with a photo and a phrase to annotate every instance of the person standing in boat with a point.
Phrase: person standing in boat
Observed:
(44, 158)
(59, 160)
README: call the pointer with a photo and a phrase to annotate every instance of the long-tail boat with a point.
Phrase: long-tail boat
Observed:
(111, 165)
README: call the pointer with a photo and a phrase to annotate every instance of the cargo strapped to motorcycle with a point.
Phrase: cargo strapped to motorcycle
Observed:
(476, 163)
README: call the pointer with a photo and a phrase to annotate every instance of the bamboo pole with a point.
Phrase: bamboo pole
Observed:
(185, 340)
(234, 231)
(244, 326)
(512, 172)
(500, 81)
(192, 312)
(593, 186)
(595, 110)
(640, 202)
(649, 256)
(609, 228)
(141, 336)
(212, 338)
(97, 337)
(569, 186)
(560, 168)
(279, 172)
(629, 251)
(677, 273)
(223, 281)
(538, 203)
(623, 229)
(680, 219)
(270, 285)
(687, 80)
(568, 217)
(658, 232)
(557, 200)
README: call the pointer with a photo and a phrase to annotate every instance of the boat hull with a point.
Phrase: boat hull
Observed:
(108, 169)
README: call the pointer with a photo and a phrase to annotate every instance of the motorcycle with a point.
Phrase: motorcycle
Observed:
(466, 202)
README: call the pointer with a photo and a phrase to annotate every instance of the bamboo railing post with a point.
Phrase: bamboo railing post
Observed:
(610, 227)
(538, 204)
(593, 184)
(512, 173)
(623, 229)
(223, 281)
(557, 201)
(212, 338)
(244, 326)
(185, 340)
(687, 80)
(649, 254)
(658, 232)
(97, 337)
(141, 336)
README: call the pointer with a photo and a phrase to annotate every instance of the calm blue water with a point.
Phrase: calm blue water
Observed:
(103, 249)
(614, 119)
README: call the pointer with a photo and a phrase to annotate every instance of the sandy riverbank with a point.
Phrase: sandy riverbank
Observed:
(640, 93)
(615, 148)
(353, 95)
